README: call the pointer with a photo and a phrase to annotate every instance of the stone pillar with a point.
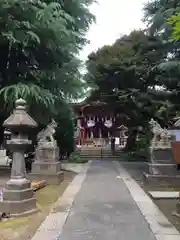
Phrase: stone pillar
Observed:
(100, 133)
(18, 196)
(47, 166)
(91, 133)
(177, 211)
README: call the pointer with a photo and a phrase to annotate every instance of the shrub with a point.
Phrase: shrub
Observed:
(75, 157)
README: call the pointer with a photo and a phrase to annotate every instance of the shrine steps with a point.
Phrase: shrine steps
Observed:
(99, 154)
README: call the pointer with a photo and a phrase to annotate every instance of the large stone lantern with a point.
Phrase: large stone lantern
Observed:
(18, 196)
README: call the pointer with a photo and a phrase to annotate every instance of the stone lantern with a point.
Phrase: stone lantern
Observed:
(18, 196)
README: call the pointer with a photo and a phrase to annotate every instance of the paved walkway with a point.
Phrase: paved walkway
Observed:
(104, 209)
(101, 205)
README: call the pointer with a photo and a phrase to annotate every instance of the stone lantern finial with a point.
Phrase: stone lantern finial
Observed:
(20, 104)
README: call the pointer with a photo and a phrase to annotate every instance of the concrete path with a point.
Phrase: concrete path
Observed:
(104, 209)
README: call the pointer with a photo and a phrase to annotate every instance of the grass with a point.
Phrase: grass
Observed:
(24, 228)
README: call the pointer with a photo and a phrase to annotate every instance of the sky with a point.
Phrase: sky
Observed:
(113, 19)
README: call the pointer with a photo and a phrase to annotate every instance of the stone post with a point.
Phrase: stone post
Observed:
(91, 133)
(177, 211)
(47, 166)
(18, 196)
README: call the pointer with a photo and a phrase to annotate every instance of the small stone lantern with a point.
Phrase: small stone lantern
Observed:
(18, 196)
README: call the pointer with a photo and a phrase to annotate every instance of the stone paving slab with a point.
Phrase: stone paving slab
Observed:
(167, 237)
(164, 194)
(104, 209)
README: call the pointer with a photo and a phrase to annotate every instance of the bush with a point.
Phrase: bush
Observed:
(65, 129)
(134, 156)
(141, 151)
(75, 157)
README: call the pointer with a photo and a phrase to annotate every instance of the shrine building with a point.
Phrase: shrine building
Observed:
(97, 123)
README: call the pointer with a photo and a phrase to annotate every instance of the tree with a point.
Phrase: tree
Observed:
(39, 43)
(39, 46)
(139, 74)
(126, 77)
(160, 16)
(125, 72)
(174, 21)
(156, 15)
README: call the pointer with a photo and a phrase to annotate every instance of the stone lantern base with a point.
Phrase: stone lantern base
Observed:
(18, 198)
(46, 166)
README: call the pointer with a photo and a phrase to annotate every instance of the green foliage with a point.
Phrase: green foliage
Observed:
(39, 41)
(139, 74)
(76, 158)
(27, 91)
(125, 76)
(65, 129)
(175, 22)
(135, 156)
(142, 145)
(162, 18)
(141, 148)
(156, 15)
(39, 44)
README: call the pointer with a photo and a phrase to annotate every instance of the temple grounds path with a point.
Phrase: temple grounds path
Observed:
(108, 204)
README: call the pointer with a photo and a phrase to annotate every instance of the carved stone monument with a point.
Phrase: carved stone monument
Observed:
(18, 196)
(161, 168)
(160, 147)
(46, 165)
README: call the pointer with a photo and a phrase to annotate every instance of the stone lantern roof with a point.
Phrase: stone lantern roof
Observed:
(20, 118)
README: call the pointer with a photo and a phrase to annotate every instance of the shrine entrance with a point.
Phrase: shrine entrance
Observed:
(97, 125)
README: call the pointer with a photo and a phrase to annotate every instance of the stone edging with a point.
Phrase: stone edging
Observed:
(52, 226)
(158, 223)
